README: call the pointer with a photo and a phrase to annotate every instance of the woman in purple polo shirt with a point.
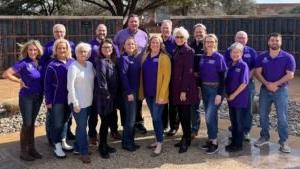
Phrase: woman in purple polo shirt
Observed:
(56, 95)
(30, 95)
(155, 78)
(212, 68)
(130, 68)
(106, 92)
(237, 95)
(80, 86)
(182, 85)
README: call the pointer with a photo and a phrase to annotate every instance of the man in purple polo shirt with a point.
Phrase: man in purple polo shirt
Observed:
(59, 32)
(101, 34)
(170, 45)
(141, 39)
(274, 68)
(249, 56)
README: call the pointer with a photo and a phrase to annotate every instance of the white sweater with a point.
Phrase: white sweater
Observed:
(80, 84)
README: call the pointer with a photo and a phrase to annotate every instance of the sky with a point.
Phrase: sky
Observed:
(277, 1)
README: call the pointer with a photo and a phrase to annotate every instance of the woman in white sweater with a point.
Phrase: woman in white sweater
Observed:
(80, 96)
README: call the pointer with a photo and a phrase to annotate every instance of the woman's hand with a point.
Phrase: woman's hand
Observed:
(76, 109)
(183, 96)
(49, 106)
(231, 97)
(160, 101)
(130, 97)
(22, 84)
(218, 99)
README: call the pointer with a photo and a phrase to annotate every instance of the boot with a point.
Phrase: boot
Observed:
(184, 146)
(66, 146)
(31, 145)
(24, 155)
(58, 151)
(103, 151)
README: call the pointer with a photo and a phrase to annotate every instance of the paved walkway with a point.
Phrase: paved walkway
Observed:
(267, 157)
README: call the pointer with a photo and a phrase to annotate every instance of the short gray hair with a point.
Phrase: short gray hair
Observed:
(241, 33)
(167, 21)
(183, 31)
(237, 45)
(84, 46)
(200, 25)
(58, 25)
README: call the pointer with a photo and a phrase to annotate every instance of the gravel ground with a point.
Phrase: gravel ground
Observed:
(13, 123)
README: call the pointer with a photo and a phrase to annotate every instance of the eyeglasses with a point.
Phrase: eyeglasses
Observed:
(179, 37)
(106, 47)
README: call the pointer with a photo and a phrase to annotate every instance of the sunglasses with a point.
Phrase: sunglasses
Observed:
(179, 37)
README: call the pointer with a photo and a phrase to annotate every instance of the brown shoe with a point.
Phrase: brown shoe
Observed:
(116, 135)
(85, 158)
(93, 140)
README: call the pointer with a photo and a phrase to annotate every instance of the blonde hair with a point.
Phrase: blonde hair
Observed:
(162, 46)
(136, 47)
(211, 35)
(69, 49)
(36, 43)
(84, 46)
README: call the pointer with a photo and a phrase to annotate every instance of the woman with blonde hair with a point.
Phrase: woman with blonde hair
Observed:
(212, 68)
(56, 95)
(30, 95)
(154, 86)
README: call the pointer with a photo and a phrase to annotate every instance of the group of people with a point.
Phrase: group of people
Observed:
(171, 72)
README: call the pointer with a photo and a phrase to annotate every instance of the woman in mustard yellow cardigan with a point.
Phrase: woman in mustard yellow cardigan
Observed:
(155, 78)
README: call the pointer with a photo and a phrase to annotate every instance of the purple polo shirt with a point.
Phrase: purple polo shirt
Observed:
(210, 66)
(150, 68)
(170, 45)
(95, 44)
(130, 69)
(236, 75)
(30, 74)
(55, 83)
(48, 51)
(140, 37)
(274, 69)
(249, 56)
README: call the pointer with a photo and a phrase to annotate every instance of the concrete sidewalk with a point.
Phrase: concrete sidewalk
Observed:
(251, 157)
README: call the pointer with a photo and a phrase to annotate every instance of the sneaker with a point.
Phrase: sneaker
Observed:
(284, 147)
(247, 137)
(58, 151)
(233, 148)
(213, 148)
(66, 146)
(206, 145)
(261, 141)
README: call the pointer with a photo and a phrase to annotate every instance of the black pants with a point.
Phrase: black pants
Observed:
(184, 112)
(139, 114)
(166, 116)
(237, 120)
(173, 116)
(106, 121)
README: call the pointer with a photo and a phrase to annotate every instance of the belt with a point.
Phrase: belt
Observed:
(211, 83)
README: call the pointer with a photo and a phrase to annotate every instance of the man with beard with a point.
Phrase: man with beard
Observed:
(197, 45)
(101, 34)
(274, 68)
(249, 56)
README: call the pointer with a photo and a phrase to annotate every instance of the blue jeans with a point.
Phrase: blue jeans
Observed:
(195, 118)
(156, 111)
(211, 110)
(130, 116)
(59, 116)
(248, 116)
(81, 143)
(29, 108)
(237, 131)
(280, 99)
(48, 125)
